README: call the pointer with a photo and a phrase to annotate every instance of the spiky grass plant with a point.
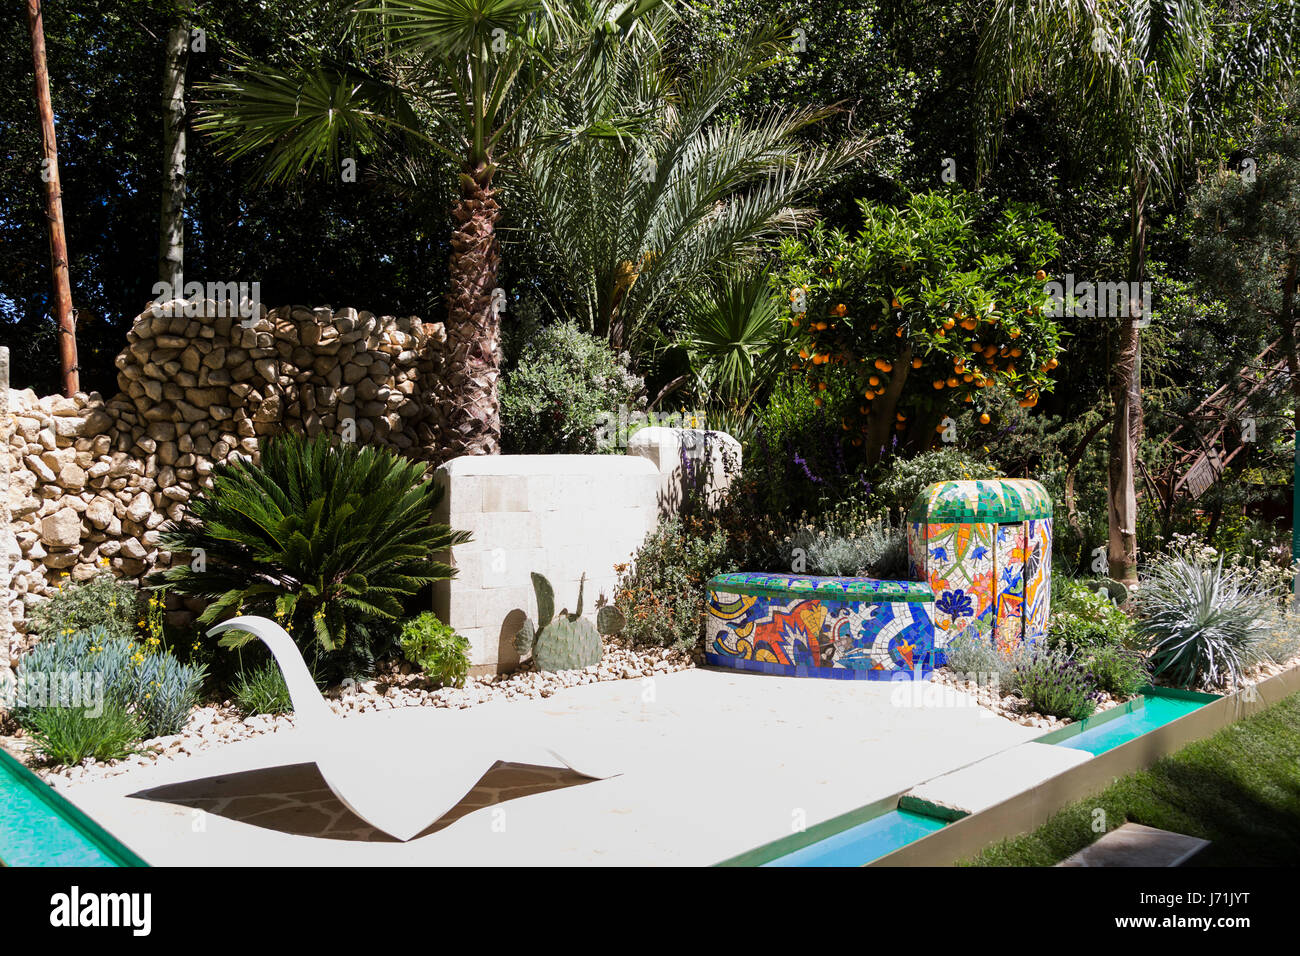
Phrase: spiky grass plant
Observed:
(1202, 622)
(262, 691)
(326, 539)
(68, 735)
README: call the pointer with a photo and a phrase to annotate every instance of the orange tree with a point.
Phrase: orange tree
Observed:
(926, 309)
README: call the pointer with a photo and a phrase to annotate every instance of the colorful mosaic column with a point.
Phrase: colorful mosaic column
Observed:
(985, 548)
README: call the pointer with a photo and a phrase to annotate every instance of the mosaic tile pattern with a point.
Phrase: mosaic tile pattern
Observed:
(820, 636)
(959, 563)
(992, 501)
(1009, 571)
(991, 578)
(1038, 579)
(834, 588)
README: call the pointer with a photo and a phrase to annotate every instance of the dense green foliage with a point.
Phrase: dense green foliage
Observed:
(327, 539)
(566, 395)
(436, 649)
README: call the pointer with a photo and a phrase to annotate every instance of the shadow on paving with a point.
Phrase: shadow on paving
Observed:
(295, 798)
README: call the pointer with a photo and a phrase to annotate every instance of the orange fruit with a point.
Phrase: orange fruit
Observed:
(1040, 275)
(902, 417)
(916, 363)
(948, 323)
(886, 366)
(952, 382)
(984, 418)
(840, 309)
(873, 381)
(938, 383)
(895, 304)
(817, 402)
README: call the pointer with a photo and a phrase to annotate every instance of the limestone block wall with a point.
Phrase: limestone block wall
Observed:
(560, 515)
(91, 480)
(689, 461)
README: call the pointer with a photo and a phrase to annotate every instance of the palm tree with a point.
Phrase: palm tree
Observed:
(444, 77)
(1150, 86)
(678, 196)
(731, 333)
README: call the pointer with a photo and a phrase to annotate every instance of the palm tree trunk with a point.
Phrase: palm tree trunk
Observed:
(470, 418)
(54, 207)
(1126, 391)
(171, 241)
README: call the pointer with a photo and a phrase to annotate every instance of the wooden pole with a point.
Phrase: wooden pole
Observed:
(54, 207)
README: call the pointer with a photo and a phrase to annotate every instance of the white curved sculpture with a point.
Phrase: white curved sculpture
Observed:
(378, 778)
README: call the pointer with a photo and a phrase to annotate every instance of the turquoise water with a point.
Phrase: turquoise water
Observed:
(1156, 712)
(39, 828)
(865, 842)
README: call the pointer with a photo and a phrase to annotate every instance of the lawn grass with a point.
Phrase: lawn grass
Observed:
(1240, 789)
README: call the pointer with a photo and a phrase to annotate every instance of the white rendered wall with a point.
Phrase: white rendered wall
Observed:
(560, 515)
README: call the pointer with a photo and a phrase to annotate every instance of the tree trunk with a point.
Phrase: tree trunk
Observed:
(470, 417)
(54, 207)
(1293, 366)
(881, 420)
(1126, 391)
(171, 238)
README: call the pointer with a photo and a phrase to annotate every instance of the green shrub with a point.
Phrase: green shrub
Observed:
(89, 667)
(908, 477)
(103, 602)
(68, 735)
(1082, 618)
(1056, 686)
(799, 459)
(851, 545)
(262, 691)
(436, 649)
(661, 592)
(565, 385)
(1118, 671)
(328, 540)
(1203, 623)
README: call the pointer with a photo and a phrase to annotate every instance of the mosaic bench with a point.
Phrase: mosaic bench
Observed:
(807, 626)
(979, 556)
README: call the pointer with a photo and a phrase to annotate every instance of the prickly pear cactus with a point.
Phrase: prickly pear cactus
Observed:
(564, 641)
(567, 644)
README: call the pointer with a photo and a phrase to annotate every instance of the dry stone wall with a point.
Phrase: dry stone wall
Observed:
(90, 481)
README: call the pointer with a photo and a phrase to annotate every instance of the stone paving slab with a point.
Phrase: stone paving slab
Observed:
(713, 763)
(986, 783)
(1136, 845)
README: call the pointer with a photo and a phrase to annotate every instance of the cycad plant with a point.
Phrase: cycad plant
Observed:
(636, 216)
(326, 539)
(1202, 623)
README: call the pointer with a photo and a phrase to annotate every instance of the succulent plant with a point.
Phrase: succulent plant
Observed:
(1114, 590)
(564, 641)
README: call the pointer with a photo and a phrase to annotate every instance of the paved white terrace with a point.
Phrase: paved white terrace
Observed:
(713, 763)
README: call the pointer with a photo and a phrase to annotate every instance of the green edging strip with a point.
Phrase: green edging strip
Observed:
(826, 587)
(1239, 789)
(1096, 720)
(40, 827)
(814, 834)
(1026, 811)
